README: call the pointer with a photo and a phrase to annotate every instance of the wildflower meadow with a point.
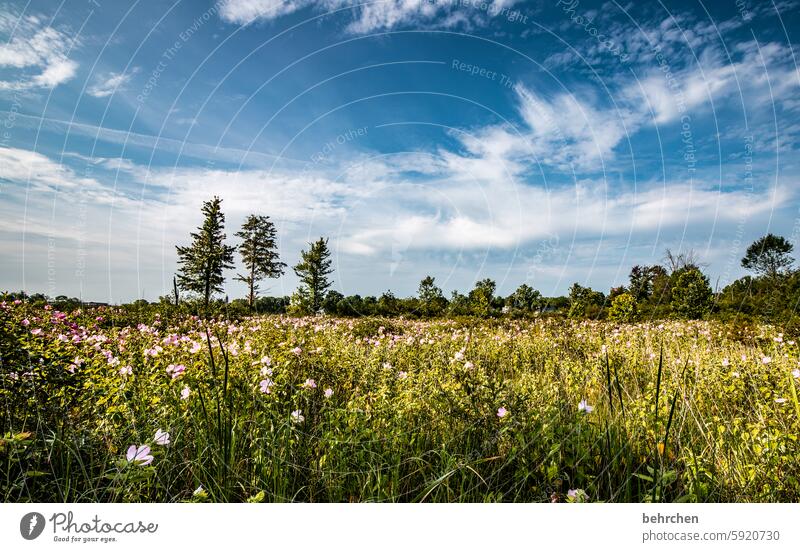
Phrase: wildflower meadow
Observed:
(98, 408)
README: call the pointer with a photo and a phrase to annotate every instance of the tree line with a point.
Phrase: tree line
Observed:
(676, 288)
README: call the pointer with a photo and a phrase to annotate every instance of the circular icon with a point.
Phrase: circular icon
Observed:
(31, 525)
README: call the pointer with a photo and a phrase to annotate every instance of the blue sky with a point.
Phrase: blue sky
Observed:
(529, 142)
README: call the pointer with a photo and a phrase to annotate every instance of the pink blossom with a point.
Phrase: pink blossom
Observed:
(185, 392)
(26, 322)
(328, 393)
(36, 331)
(584, 406)
(310, 384)
(297, 350)
(175, 370)
(126, 371)
(265, 385)
(297, 416)
(501, 412)
(139, 455)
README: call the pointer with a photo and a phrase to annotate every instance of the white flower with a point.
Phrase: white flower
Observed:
(725, 361)
(796, 373)
(468, 365)
(328, 393)
(125, 371)
(766, 360)
(161, 438)
(185, 392)
(402, 375)
(780, 400)
(583, 406)
(297, 416)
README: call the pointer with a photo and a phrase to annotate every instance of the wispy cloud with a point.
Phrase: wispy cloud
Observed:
(33, 55)
(106, 85)
(376, 16)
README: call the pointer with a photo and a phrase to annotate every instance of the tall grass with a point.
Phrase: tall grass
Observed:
(676, 412)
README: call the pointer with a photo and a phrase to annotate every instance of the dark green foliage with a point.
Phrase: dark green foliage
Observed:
(259, 254)
(769, 256)
(431, 299)
(584, 301)
(691, 294)
(202, 262)
(313, 271)
(525, 299)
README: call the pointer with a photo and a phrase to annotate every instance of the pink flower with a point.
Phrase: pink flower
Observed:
(402, 375)
(583, 406)
(725, 362)
(297, 416)
(175, 370)
(766, 360)
(310, 384)
(328, 393)
(501, 412)
(185, 392)
(265, 385)
(139, 455)
(796, 373)
(297, 351)
(161, 438)
(26, 322)
(36, 331)
(125, 371)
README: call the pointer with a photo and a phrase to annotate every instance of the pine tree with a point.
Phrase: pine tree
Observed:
(259, 254)
(202, 262)
(769, 256)
(313, 272)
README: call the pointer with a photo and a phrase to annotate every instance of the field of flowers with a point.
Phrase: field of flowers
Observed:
(95, 408)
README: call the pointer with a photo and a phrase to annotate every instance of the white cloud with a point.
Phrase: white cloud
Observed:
(762, 75)
(33, 54)
(370, 17)
(107, 85)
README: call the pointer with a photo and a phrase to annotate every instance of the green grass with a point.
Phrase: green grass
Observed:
(413, 415)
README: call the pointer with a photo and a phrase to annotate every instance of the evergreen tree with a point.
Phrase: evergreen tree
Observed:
(259, 254)
(202, 262)
(313, 272)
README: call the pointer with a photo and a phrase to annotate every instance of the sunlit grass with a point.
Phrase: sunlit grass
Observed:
(398, 411)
